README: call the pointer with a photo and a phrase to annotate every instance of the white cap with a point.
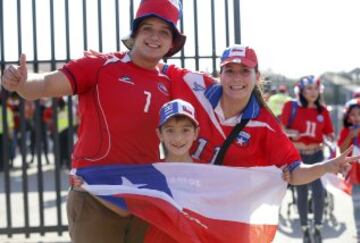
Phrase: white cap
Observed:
(175, 108)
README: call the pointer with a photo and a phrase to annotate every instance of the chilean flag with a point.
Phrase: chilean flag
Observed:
(336, 183)
(194, 202)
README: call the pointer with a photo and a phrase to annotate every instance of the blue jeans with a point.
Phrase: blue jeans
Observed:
(318, 193)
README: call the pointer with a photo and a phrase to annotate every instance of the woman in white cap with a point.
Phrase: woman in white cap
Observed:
(112, 87)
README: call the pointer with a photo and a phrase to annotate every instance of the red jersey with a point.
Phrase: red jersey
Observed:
(154, 235)
(261, 143)
(311, 124)
(119, 105)
(355, 167)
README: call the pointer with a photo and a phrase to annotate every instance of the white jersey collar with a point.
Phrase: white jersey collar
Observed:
(232, 121)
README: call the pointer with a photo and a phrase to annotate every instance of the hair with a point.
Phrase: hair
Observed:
(164, 149)
(179, 118)
(135, 31)
(259, 94)
(346, 122)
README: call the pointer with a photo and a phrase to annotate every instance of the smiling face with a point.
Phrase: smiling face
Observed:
(178, 135)
(153, 39)
(238, 81)
(311, 93)
(354, 115)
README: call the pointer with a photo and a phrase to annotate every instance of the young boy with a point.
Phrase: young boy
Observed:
(178, 129)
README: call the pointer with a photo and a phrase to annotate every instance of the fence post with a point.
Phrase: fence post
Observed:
(237, 27)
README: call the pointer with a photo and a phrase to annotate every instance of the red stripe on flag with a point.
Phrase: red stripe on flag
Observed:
(191, 227)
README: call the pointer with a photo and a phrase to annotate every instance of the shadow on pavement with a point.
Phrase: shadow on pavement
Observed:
(32, 177)
(290, 227)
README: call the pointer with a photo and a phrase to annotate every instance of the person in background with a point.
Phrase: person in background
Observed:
(308, 123)
(62, 128)
(118, 93)
(356, 93)
(350, 136)
(10, 126)
(277, 101)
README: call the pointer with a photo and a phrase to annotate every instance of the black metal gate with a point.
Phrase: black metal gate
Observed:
(33, 179)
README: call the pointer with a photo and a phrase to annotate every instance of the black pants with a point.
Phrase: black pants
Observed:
(64, 149)
(318, 193)
(1, 153)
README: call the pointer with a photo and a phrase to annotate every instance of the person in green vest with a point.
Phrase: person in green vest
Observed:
(277, 101)
(63, 128)
(10, 125)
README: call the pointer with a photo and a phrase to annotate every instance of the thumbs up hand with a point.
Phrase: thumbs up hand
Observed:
(15, 76)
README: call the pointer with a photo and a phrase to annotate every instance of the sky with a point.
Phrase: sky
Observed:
(300, 37)
(290, 37)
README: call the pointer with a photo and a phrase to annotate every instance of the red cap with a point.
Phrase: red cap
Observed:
(167, 10)
(239, 54)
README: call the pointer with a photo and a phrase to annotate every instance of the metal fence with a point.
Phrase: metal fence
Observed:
(51, 33)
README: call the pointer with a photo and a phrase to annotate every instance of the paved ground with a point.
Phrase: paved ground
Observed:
(339, 228)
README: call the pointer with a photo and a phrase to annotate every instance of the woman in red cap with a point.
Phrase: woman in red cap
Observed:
(309, 123)
(111, 87)
(237, 128)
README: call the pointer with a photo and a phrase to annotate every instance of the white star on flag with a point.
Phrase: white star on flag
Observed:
(128, 183)
(112, 189)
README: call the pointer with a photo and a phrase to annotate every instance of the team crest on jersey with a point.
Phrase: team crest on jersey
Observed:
(163, 89)
(320, 118)
(198, 87)
(243, 138)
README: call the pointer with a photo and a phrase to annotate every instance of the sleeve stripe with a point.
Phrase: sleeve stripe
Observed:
(71, 77)
(291, 167)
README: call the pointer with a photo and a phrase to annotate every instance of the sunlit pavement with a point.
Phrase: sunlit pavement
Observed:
(338, 226)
